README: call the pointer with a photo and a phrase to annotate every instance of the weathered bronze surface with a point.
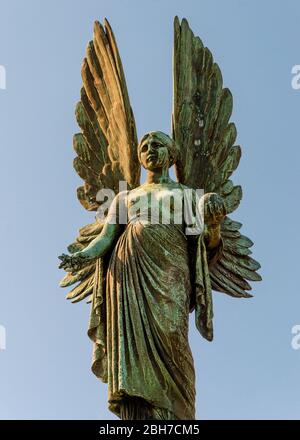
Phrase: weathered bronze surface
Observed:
(143, 278)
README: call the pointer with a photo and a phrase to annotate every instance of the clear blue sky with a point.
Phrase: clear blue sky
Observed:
(250, 370)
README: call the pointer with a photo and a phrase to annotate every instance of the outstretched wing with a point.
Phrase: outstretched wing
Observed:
(107, 145)
(208, 155)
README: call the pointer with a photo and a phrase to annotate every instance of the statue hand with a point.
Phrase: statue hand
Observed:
(71, 263)
(214, 209)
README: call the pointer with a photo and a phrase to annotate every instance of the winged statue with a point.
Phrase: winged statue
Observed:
(144, 278)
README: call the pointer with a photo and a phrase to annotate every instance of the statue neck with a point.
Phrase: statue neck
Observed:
(160, 175)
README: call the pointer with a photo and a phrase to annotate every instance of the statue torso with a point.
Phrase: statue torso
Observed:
(160, 203)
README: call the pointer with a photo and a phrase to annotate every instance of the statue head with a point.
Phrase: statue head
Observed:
(157, 150)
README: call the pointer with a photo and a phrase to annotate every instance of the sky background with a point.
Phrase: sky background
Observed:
(250, 370)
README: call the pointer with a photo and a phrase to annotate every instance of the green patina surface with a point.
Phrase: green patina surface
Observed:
(144, 278)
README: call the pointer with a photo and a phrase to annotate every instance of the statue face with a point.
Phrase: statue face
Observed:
(153, 154)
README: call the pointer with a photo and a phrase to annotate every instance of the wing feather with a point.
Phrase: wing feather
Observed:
(206, 138)
(107, 147)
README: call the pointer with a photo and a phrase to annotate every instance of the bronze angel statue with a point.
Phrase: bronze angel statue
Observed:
(144, 278)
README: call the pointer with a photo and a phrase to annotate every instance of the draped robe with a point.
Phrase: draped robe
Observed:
(140, 317)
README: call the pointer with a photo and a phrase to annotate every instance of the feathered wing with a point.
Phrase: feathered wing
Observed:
(208, 155)
(106, 148)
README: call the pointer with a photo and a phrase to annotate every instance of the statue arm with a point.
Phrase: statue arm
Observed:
(209, 211)
(100, 245)
(214, 213)
(212, 236)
